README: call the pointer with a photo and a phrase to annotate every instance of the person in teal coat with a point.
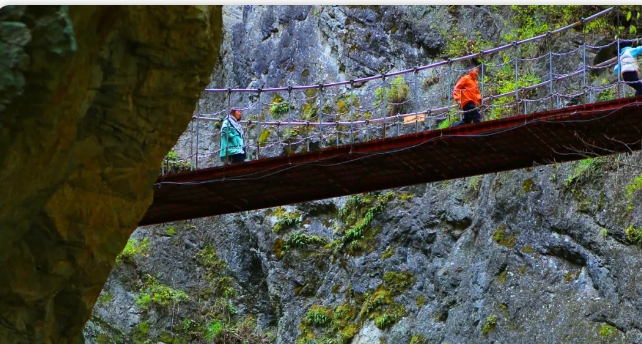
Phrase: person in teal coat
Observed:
(628, 66)
(232, 140)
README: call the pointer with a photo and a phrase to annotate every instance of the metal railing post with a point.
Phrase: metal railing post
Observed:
(351, 111)
(584, 86)
(289, 120)
(483, 68)
(416, 101)
(320, 115)
(227, 135)
(198, 122)
(492, 109)
(516, 77)
(619, 79)
(191, 140)
(258, 134)
(307, 137)
(449, 91)
(247, 141)
(385, 104)
(550, 71)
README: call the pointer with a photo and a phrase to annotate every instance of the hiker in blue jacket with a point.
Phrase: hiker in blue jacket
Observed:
(232, 139)
(629, 67)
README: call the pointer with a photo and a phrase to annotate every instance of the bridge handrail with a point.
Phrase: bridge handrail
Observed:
(434, 111)
(412, 70)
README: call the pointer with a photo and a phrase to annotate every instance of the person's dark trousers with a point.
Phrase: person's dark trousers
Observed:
(633, 80)
(235, 159)
(471, 115)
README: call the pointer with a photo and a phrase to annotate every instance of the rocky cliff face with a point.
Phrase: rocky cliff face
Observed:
(92, 99)
(543, 255)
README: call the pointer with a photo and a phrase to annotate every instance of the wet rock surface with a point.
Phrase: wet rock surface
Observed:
(539, 255)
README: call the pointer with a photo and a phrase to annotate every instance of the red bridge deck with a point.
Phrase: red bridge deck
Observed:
(511, 143)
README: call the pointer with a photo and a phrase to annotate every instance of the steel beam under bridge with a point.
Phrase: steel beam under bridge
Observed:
(506, 144)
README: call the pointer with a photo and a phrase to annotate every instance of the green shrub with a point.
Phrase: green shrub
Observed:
(584, 171)
(143, 327)
(304, 240)
(366, 205)
(105, 296)
(133, 249)
(174, 164)
(279, 106)
(216, 274)
(396, 96)
(449, 121)
(458, 44)
(286, 220)
(318, 316)
(214, 329)
(505, 80)
(159, 294)
(606, 94)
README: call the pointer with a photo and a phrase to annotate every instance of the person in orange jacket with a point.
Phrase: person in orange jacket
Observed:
(466, 92)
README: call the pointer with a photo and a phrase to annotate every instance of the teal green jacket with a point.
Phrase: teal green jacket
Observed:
(231, 139)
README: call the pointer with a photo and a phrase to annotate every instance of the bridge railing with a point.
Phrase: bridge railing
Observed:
(294, 119)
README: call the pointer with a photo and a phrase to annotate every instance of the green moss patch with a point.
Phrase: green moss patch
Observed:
(398, 282)
(607, 330)
(489, 324)
(528, 249)
(389, 253)
(504, 238)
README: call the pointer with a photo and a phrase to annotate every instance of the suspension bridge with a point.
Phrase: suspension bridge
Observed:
(339, 139)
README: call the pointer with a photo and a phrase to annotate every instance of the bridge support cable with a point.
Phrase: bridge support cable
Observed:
(351, 99)
(619, 78)
(584, 85)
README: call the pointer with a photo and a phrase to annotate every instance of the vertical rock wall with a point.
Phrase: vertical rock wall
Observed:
(548, 254)
(92, 99)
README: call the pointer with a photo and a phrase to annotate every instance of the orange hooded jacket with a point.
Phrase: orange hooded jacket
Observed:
(467, 90)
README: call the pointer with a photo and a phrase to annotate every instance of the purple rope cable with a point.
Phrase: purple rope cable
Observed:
(433, 65)
(432, 110)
